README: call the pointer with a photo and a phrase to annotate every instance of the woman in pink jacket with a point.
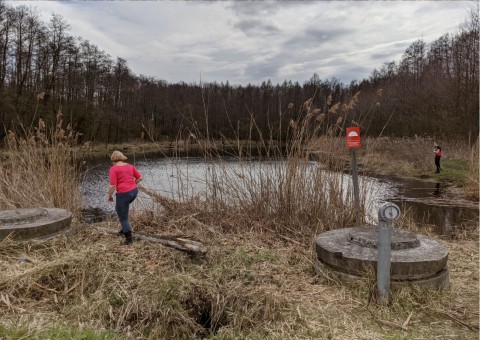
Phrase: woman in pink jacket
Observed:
(124, 178)
(438, 155)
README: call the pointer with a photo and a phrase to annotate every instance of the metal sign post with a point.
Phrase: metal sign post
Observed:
(387, 214)
(353, 143)
(356, 194)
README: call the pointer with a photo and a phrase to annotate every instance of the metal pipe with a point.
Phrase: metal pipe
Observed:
(356, 193)
(387, 214)
(383, 261)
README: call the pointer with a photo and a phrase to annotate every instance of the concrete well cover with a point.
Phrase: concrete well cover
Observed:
(33, 222)
(354, 251)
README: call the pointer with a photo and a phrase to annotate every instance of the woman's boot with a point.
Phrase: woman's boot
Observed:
(128, 238)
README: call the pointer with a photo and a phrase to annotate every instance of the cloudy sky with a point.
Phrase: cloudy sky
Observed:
(249, 42)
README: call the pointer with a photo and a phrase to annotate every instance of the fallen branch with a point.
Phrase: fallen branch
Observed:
(46, 288)
(200, 224)
(170, 205)
(179, 243)
(284, 237)
(167, 203)
(405, 324)
(460, 322)
(389, 323)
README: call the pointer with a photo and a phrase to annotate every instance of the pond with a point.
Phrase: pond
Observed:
(186, 177)
(429, 202)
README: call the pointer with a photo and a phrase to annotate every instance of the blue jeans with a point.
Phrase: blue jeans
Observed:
(122, 205)
(437, 163)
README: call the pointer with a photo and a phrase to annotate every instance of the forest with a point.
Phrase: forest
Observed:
(257, 274)
(45, 69)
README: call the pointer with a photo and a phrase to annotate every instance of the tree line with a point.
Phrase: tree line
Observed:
(44, 69)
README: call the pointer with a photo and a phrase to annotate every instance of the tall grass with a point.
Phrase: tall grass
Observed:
(286, 192)
(472, 182)
(412, 157)
(251, 284)
(39, 169)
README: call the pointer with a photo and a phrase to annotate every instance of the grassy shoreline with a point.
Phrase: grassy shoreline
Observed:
(248, 286)
(257, 280)
(383, 156)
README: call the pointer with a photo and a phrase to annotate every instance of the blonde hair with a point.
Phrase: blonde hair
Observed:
(117, 156)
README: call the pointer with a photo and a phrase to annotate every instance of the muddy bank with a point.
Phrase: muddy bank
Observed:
(435, 203)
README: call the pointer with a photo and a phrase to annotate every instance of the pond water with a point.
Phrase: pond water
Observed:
(186, 177)
(429, 202)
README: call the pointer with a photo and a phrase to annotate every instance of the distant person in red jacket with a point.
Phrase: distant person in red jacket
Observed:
(438, 154)
(124, 178)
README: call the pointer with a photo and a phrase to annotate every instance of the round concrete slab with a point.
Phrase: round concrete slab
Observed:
(368, 237)
(337, 249)
(23, 224)
(20, 216)
(440, 280)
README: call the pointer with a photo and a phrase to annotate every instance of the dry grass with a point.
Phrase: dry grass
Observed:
(401, 156)
(257, 280)
(249, 285)
(413, 157)
(472, 182)
(286, 193)
(39, 169)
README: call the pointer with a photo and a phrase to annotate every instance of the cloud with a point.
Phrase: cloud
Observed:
(264, 8)
(255, 26)
(317, 37)
(252, 41)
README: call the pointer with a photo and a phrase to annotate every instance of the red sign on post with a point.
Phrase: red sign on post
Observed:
(353, 137)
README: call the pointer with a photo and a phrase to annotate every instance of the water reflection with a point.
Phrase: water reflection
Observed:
(437, 192)
(444, 217)
(188, 177)
(427, 203)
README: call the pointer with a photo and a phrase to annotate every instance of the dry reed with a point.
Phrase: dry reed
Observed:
(472, 183)
(40, 169)
(285, 192)
(257, 280)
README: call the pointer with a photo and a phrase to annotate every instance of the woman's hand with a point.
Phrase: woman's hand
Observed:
(111, 189)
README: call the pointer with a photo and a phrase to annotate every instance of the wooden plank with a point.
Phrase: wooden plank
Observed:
(178, 243)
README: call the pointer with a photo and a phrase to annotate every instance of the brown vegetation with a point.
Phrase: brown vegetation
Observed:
(251, 284)
(40, 170)
(257, 279)
(472, 185)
